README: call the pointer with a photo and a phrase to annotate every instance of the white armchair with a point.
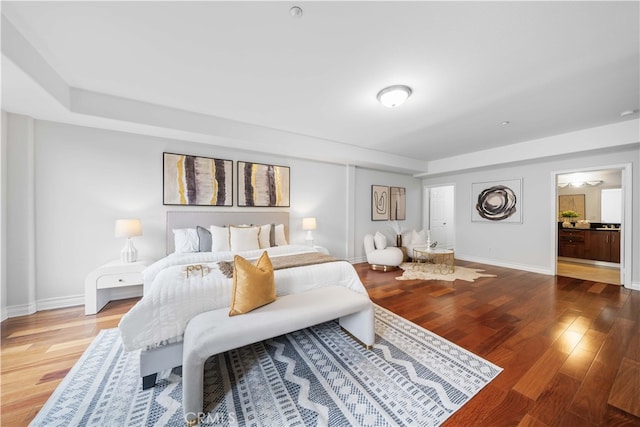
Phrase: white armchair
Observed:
(414, 239)
(379, 256)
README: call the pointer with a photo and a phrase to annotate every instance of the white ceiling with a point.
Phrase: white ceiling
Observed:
(257, 75)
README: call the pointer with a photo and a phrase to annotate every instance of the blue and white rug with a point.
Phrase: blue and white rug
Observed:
(316, 376)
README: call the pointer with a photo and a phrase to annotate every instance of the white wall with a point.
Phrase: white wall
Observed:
(66, 185)
(86, 178)
(20, 199)
(364, 179)
(318, 190)
(3, 218)
(526, 245)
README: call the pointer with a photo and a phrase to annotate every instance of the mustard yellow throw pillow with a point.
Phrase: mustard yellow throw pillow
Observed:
(253, 285)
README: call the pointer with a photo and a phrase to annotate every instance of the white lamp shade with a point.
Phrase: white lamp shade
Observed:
(128, 228)
(308, 223)
(393, 96)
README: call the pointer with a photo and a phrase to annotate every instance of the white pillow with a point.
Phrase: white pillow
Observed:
(185, 240)
(243, 238)
(418, 237)
(380, 240)
(264, 236)
(219, 238)
(280, 239)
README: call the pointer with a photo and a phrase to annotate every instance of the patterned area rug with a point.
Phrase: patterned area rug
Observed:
(316, 376)
(411, 272)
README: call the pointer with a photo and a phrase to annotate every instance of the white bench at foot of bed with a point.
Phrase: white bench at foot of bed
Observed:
(214, 332)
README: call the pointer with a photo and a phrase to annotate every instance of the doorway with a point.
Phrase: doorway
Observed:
(589, 244)
(440, 214)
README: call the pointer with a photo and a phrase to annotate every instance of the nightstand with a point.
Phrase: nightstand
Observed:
(111, 281)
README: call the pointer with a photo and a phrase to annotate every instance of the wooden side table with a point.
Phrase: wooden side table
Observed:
(108, 282)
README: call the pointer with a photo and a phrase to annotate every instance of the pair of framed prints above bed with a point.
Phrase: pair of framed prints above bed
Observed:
(204, 181)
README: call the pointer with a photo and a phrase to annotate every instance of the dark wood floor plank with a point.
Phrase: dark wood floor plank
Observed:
(510, 411)
(615, 417)
(633, 351)
(529, 421)
(591, 399)
(537, 378)
(625, 392)
(552, 402)
(578, 363)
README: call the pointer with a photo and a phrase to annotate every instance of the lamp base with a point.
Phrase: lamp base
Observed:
(309, 238)
(129, 253)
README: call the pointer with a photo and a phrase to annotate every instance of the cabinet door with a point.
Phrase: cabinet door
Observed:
(571, 249)
(571, 244)
(615, 246)
(600, 246)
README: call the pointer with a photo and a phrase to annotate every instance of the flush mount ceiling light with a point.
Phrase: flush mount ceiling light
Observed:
(296, 12)
(393, 96)
(626, 113)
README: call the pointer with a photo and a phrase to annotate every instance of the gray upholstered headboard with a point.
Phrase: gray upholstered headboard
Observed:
(190, 219)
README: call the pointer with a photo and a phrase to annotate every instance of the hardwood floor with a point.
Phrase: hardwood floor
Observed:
(39, 350)
(597, 273)
(570, 348)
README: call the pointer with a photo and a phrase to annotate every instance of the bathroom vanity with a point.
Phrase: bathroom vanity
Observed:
(598, 244)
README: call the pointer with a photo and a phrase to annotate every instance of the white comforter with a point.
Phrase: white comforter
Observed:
(171, 299)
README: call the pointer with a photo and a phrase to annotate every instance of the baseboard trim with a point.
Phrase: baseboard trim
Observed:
(60, 302)
(634, 286)
(43, 304)
(63, 302)
(524, 267)
(21, 310)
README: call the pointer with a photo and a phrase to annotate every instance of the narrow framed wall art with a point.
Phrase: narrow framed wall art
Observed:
(262, 185)
(379, 203)
(398, 199)
(197, 181)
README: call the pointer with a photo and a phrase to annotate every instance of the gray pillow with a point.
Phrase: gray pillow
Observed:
(204, 237)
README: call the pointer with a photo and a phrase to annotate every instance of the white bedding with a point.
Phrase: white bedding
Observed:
(171, 299)
(150, 273)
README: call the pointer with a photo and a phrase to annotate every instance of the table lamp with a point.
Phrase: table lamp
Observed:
(309, 224)
(128, 228)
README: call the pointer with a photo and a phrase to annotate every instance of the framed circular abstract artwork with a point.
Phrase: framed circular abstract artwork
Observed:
(497, 201)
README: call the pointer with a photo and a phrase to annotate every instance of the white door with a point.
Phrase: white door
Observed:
(441, 215)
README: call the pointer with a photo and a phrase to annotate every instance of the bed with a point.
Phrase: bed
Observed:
(185, 284)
